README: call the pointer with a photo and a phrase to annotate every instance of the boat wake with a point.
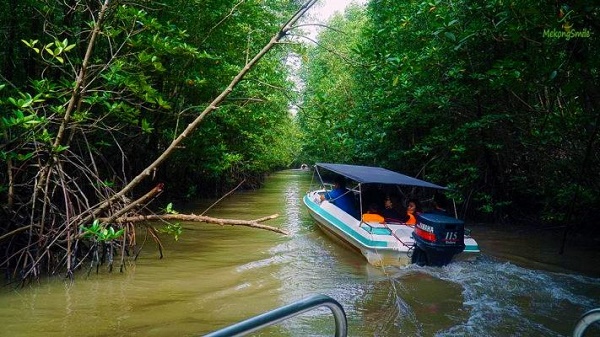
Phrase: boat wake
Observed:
(501, 299)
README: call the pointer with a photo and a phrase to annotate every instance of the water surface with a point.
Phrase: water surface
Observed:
(215, 276)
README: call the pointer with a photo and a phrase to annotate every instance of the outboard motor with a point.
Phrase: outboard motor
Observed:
(437, 239)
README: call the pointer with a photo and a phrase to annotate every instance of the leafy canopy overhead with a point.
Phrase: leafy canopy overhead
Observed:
(497, 100)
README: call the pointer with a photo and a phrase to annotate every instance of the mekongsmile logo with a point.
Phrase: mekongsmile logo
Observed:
(567, 31)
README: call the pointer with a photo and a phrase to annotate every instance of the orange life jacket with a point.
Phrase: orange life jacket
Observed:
(372, 217)
(412, 220)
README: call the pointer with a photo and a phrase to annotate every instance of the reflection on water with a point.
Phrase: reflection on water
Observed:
(215, 276)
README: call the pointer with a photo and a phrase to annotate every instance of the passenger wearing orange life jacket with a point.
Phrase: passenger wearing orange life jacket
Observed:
(373, 215)
(411, 211)
(394, 212)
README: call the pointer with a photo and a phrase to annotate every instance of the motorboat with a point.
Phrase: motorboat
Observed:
(435, 239)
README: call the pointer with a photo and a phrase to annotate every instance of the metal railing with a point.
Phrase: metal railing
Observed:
(341, 324)
(585, 321)
(280, 314)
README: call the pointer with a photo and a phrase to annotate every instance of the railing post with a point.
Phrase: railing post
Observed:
(280, 314)
(586, 320)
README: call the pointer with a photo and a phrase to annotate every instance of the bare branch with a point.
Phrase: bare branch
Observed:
(201, 218)
(223, 197)
(211, 107)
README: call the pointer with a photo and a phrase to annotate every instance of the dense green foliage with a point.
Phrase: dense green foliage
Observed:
(491, 98)
(93, 92)
(329, 113)
(498, 100)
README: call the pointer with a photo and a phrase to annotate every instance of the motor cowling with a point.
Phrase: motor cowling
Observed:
(437, 239)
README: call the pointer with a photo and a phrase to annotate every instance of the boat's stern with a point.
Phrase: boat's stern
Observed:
(381, 257)
(437, 238)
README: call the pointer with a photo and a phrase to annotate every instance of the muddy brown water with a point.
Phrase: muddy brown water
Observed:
(215, 276)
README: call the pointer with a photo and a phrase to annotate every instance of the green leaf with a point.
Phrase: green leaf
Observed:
(172, 229)
(450, 36)
(23, 157)
(60, 148)
(146, 126)
(169, 209)
(69, 47)
(100, 233)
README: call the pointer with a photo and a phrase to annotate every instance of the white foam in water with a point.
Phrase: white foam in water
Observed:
(506, 300)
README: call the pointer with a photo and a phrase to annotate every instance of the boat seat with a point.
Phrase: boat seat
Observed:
(375, 228)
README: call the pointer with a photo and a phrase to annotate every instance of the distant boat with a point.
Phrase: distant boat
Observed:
(436, 239)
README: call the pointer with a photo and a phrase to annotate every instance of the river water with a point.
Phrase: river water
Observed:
(214, 276)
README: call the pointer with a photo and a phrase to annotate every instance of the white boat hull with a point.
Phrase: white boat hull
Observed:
(380, 244)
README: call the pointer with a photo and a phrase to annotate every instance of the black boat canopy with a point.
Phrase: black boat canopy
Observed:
(376, 175)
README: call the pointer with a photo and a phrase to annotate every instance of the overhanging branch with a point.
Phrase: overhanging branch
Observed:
(201, 218)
